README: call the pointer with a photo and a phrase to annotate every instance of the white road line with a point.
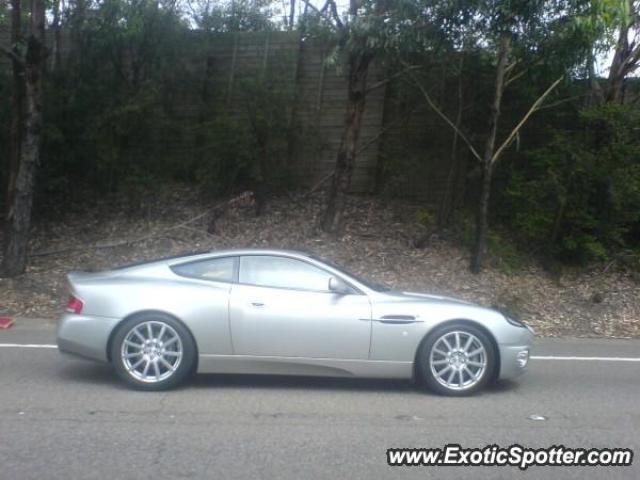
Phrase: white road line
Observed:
(27, 345)
(588, 359)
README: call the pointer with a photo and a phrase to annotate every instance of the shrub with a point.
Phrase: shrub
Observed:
(578, 198)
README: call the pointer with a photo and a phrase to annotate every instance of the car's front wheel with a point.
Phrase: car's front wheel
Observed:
(456, 359)
(153, 352)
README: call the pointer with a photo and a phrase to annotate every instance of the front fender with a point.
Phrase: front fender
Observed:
(400, 341)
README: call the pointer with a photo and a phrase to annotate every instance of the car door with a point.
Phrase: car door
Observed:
(282, 307)
(203, 302)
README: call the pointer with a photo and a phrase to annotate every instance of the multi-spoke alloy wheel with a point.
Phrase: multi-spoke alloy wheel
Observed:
(456, 359)
(153, 352)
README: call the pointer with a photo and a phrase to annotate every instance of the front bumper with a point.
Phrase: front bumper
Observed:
(85, 336)
(510, 363)
(514, 359)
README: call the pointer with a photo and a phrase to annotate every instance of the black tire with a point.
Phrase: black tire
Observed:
(169, 377)
(428, 374)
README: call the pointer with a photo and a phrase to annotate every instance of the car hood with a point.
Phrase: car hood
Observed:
(417, 296)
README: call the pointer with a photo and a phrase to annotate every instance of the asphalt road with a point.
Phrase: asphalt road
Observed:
(66, 418)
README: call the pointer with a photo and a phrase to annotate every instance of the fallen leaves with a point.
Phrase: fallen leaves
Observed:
(376, 245)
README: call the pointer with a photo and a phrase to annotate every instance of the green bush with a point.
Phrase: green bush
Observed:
(578, 198)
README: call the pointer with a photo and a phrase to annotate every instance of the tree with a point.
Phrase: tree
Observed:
(504, 49)
(373, 28)
(57, 35)
(577, 197)
(518, 34)
(28, 55)
(626, 58)
(354, 40)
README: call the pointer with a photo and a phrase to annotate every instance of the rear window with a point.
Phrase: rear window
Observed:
(215, 269)
(156, 260)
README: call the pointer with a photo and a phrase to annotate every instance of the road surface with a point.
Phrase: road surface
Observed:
(66, 418)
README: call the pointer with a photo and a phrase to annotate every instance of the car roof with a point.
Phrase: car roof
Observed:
(195, 256)
(245, 251)
(170, 262)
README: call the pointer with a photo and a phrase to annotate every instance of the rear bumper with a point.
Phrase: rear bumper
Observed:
(85, 336)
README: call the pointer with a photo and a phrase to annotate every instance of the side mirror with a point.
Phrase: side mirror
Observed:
(338, 286)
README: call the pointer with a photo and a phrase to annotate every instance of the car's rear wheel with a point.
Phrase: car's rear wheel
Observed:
(456, 359)
(153, 352)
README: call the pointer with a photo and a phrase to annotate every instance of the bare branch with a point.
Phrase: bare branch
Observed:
(515, 77)
(510, 80)
(563, 101)
(382, 83)
(334, 13)
(12, 55)
(511, 66)
(323, 14)
(319, 183)
(632, 61)
(384, 130)
(445, 118)
(534, 108)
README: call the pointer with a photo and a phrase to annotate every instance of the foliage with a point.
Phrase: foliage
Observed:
(503, 252)
(426, 218)
(134, 106)
(129, 102)
(249, 147)
(236, 16)
(578, 198)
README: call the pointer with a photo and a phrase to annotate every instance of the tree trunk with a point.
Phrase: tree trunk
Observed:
(345, 161)
(617, 72)
(56, 57)
(17, 106)
(446, 202)
(596, 96)
(626, 58)
(19, 205)
(292, 14)
(359, 59)
(479, 247)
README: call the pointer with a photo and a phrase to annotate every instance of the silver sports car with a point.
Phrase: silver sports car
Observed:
(281, 312)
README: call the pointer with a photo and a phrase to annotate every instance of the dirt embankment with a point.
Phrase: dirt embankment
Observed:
(376, 244)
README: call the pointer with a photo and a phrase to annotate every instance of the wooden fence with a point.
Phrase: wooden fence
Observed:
(318, 97)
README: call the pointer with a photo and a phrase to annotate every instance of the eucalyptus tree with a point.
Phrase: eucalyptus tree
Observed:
(28, 53)
(356, 38)
(520, 37)
(370, 30)
(538, 34)
(236, 16)
(504, 23)
(618, 25)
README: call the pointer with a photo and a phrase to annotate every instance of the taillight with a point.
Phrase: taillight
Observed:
(74, 305)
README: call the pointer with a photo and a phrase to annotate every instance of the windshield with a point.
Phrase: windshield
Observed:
(378, 287)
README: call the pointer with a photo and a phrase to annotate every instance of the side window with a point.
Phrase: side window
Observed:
(218, 269)
(281, 272)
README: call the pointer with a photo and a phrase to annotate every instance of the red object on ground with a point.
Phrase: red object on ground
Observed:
(6, 322)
